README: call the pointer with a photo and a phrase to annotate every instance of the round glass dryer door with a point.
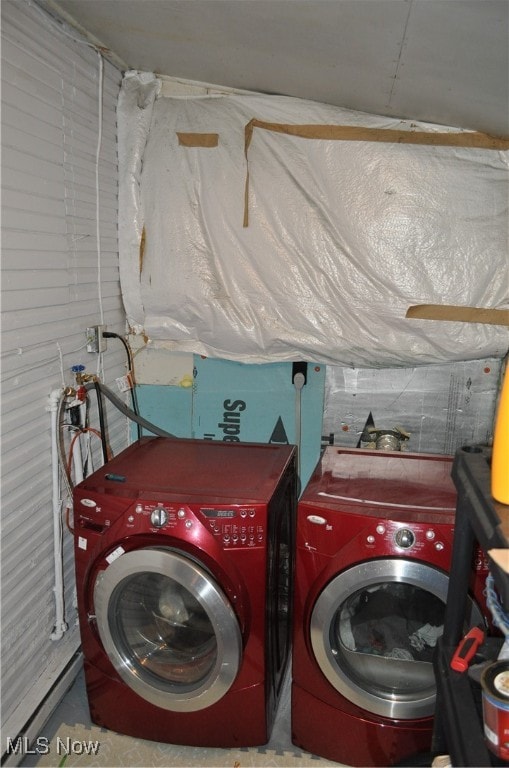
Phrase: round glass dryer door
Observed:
(168, 629)
(373, 631)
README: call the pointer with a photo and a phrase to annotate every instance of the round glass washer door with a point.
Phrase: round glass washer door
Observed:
(168, 629)
(373, 630)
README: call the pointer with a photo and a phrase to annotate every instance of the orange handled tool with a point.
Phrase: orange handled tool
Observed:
(467, 649)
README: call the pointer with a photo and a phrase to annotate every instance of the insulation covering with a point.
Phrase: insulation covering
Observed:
(320, 255)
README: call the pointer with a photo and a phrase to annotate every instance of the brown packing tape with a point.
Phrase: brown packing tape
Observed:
(500, 557)
(198, 139)
(386, 135)
(143, 240)
(468, 139)
(458, 314)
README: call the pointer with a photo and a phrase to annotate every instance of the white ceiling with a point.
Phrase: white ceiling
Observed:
(439, 61)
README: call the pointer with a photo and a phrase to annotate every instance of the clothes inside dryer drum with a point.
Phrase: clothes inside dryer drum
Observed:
(400, 621)
(383, 638)
(386, 675)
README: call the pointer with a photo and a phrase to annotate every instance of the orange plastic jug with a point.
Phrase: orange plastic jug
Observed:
(500, 455)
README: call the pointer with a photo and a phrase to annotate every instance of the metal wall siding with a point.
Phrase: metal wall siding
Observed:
(50, 295)
(15, 137)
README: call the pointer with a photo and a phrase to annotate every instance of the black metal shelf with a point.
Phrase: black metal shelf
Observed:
(458, 718)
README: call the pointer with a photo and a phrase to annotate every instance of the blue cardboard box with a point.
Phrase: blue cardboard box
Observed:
(239, 402)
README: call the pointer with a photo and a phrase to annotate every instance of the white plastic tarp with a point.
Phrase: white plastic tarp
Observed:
(343, 236)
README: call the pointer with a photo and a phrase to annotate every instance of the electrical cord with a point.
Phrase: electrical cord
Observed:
(130, 369)
(68, 467)
(299, 381)
(102, 422)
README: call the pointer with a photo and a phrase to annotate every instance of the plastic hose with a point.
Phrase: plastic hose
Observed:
(123, 408)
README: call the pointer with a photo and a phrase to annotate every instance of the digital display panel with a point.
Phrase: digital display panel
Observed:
(219, 513)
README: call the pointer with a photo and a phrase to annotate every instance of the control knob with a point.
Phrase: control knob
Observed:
(159, 517)
(405, 538)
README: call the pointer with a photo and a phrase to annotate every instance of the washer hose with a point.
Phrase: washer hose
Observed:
(101, 389)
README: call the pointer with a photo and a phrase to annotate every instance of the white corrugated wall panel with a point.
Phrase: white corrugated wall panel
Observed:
(56, 281)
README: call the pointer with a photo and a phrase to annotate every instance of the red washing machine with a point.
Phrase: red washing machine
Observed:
(374, 538)
(184, 562)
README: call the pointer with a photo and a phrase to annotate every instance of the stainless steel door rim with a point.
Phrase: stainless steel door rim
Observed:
(354, 675)
(168, 628)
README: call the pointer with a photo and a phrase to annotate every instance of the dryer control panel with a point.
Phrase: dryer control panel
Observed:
(411, 537)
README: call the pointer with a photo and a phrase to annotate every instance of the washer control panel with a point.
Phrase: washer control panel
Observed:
(235, 526)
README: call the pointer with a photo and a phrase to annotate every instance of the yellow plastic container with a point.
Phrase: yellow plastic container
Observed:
(500, 455)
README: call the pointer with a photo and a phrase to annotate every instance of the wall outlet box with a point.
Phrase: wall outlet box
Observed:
(95, 340)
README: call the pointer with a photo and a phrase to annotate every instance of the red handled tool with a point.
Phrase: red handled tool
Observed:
(467, 649)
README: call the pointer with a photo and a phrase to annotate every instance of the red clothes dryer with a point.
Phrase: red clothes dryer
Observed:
(374, 538)
(184, 560)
